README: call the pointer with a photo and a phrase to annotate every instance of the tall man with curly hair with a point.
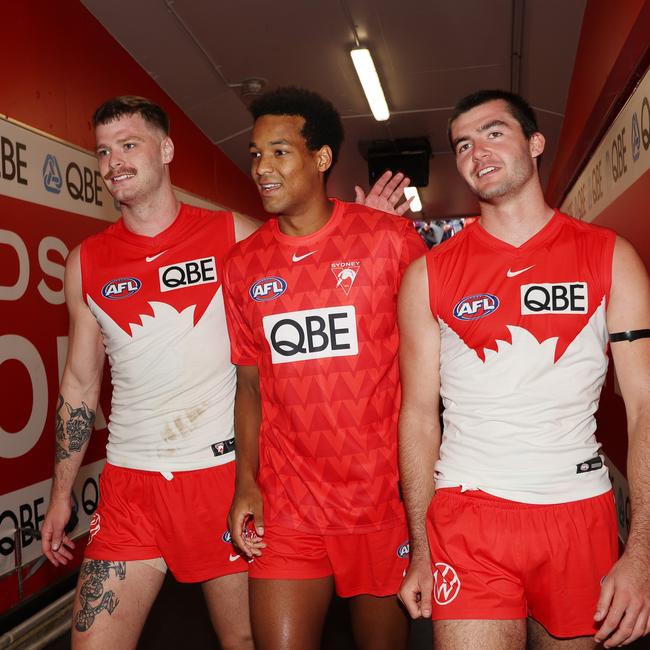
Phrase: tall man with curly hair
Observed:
(311, 307)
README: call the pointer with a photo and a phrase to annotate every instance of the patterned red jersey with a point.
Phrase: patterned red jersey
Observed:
(317, 315)
(159, 303)
(523, 358)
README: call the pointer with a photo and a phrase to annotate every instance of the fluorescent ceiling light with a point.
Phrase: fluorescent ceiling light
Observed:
(416, 204)
(365, 68)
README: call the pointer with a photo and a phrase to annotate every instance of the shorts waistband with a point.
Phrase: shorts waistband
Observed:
(506, 504)
(153, 473)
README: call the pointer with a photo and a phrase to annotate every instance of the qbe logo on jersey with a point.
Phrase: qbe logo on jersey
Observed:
(187, 274)
(555, 298)
(312, 334)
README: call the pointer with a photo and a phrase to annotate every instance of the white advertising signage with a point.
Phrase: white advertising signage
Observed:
(621, 158)
(46, 171)
(25, 509)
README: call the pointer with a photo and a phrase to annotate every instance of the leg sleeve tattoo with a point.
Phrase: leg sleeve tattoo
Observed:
(92, 597)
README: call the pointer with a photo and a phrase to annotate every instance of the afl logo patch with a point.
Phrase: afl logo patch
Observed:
(403, 550)
(475, 307)
(226, 537)
(267, 289)
(121, 288)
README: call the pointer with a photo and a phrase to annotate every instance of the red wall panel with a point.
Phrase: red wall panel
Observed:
(612, 54)
(59, 64)
(626, 215)
(613, 40)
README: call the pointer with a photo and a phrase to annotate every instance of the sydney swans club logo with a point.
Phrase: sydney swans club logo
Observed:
(345, 274)
(93, 528)
(121, 288)
(446, 583)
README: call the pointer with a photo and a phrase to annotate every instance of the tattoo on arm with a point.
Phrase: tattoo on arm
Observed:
(61, 451)
(75, 431)
(92, 597)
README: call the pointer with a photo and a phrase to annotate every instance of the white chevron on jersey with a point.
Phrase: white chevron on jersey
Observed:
(516, 425)
(173, 388)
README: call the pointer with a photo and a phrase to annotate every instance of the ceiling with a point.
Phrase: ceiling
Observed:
(429, 53)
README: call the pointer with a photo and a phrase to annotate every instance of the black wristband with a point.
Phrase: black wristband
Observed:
(629, 336)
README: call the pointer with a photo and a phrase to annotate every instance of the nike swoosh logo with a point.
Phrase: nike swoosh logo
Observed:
(297, 258)
(153, 257)
(512, 274)
(233, 558)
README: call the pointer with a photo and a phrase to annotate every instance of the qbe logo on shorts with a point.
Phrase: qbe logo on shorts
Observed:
(187, 274)
(312, 334)
(555, 298)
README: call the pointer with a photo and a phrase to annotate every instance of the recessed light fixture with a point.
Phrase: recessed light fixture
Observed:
(365, 67)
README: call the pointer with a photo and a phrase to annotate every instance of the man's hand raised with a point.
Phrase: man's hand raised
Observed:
(386, 193)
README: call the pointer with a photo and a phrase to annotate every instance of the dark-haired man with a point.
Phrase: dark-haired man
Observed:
(169, 478)
(515, 311)
(311, 307)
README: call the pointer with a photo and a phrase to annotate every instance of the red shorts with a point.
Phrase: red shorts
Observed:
(499, 559)
(370, 563)
(142, 515)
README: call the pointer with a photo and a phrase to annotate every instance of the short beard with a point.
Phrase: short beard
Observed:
(521, 173)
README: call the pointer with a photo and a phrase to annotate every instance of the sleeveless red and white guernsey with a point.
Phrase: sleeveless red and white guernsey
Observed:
(317, 315)
(159, 303)
(523, 359)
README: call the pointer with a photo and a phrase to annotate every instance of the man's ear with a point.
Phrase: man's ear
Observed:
(324, 158)
(536, 144)
(167, 148)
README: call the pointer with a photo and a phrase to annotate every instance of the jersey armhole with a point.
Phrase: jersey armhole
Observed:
(230, 225)
(432, 282)
(242, 360)
(408, 249)
(83, 263)
(606, 279)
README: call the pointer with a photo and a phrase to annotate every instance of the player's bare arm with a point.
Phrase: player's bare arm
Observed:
(624, 605)
(75, 411)
(419, 428)
(244, 225)
(246, 511)
(386, 194)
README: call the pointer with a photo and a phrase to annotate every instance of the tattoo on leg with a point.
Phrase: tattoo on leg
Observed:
(75, 431)
(95, 573)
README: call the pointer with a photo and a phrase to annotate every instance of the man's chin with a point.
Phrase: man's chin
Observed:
(271, 206)
(123, 198)
(492, 193)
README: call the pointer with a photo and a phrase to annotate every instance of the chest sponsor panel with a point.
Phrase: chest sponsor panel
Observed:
(187, 274)
(554, 298)
(312, 334)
